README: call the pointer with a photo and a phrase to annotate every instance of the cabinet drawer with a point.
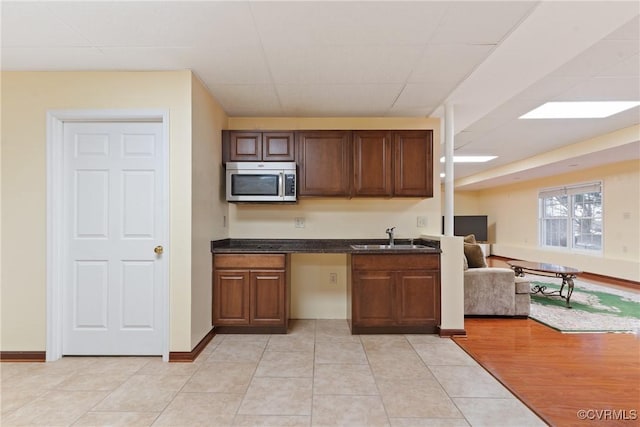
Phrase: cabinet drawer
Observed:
(395, 262)
(249, 261)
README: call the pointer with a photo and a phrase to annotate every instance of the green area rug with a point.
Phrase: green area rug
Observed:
(595, 308)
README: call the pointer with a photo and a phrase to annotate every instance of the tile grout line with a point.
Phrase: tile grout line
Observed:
(375, 380)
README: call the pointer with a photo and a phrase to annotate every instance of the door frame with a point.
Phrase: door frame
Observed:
(55, 219)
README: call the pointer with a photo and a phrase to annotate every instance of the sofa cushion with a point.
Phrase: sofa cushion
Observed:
(475, 257)
(465, 263)
(470, 238)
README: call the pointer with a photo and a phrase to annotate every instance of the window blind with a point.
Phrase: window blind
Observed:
(593, 187)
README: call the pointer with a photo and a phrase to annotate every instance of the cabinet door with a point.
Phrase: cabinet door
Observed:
(230, 297)
(417, 297)
(278, 147)
(413, 163)
(325, 163)
(268, 298)
(245, 146)
(372, 298)
(372, 163)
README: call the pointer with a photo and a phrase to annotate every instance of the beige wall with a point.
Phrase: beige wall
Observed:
(26, 98)
(514, 211)
(466, 203)
(312, 294)
(208, 203)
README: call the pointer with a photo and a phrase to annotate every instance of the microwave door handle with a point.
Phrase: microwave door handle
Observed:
(281, 185)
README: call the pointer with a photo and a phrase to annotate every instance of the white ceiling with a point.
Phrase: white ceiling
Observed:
(493, 61)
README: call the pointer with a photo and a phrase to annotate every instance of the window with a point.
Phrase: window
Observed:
(571, 217)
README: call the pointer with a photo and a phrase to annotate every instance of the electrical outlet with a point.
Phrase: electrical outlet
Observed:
(333, 278)
(421, 221)
(299, 222)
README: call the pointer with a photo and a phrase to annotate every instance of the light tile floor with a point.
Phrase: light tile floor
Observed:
(318, 374)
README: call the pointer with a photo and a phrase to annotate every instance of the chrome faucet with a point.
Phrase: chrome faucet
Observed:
(389, 231)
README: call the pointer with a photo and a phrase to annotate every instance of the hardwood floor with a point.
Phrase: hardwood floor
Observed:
(557, 375)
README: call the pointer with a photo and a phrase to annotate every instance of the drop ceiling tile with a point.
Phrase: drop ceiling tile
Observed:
(629, 31)
(604, 89)
(411, 112)
(91, 58)
(230, 65)
(341, 64)
(628, 68)
(487, 124)
(246, 100)
(52, 58)
(160, 24)
(338, 100)
(340, 23)
(480, 22)
(417, 95)
(26, 24)
(599, 57)
(448, 62)
(543, 90)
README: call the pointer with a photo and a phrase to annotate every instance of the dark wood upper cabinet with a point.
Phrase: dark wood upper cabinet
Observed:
(344, 163)
(241, 146)
(372, 163)
(245, 146)
(413, 163)
(278, 147)
(324, 162)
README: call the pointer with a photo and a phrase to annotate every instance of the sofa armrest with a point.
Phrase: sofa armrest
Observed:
(489, 291)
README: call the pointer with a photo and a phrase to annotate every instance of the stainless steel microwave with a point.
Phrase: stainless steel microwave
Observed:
(261, 181)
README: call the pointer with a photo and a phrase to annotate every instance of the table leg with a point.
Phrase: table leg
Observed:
(569, 280)
(518, 271)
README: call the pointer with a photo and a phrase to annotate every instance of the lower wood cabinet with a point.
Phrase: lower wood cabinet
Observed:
(394, 293)
(250, 293)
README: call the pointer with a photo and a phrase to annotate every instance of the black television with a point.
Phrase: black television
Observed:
(469, 224)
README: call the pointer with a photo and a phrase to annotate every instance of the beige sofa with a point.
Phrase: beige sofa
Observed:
(495, 291)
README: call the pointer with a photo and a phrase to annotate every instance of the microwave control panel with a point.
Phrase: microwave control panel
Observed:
(289, 185)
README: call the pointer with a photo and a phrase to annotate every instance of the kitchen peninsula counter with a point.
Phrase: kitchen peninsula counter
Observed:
(329, 246)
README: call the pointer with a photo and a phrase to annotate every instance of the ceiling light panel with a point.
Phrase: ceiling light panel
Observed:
(470, 159)
(579, 109)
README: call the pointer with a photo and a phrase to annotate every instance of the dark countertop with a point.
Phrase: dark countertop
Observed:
(329, 246)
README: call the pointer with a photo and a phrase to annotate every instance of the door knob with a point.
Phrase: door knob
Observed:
(158, 249)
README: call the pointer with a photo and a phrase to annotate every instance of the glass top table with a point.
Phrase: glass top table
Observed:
(567, 274)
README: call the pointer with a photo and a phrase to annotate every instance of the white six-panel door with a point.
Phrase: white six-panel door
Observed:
(113, 197)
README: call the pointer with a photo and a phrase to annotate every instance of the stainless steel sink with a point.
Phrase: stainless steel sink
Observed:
(389, 247)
